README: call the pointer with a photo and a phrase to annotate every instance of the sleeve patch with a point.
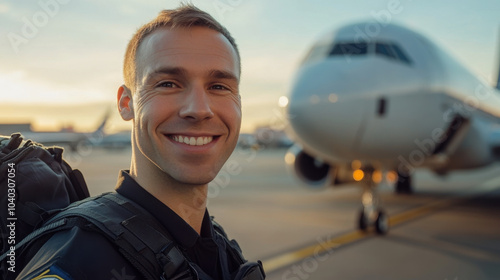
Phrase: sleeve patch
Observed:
(53, 273)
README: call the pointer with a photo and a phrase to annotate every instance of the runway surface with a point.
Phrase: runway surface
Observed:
(449, 229)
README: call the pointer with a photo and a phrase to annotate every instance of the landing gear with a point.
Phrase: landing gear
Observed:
(368, 216)
(403, 185)
(382, 223)
(371, 214)
(363, 220)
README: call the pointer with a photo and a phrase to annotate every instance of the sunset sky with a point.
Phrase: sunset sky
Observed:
(61, 60)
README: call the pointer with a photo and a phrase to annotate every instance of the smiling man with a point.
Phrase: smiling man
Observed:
(185, 107)
(181, 74)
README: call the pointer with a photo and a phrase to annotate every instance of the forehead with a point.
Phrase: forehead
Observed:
(180, 46)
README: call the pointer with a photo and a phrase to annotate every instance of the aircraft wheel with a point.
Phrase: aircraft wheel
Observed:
(382, 223)
(363, 221)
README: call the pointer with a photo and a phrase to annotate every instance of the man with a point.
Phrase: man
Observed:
(181, 74)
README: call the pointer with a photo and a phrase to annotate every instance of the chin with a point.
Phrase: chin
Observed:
(199, 179)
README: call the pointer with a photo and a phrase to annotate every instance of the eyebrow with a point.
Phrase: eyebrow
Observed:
(219, 74)
(179, 71)
(174, 71)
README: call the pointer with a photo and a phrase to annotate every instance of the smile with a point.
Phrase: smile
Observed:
(192, 141)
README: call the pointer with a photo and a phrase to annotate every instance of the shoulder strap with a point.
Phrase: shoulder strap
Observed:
(139, 237)
(247, 270)
(233, 245)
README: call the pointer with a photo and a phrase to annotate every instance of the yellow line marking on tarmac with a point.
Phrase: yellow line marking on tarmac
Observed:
(319, 248)
(289, 258)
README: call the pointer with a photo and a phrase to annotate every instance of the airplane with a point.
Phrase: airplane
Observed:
(116, 141)
(365, 103)
(74, 140)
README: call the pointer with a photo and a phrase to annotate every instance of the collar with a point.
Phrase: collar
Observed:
(181, 231)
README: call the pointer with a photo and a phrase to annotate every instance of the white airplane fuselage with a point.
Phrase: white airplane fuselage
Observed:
(391, 100)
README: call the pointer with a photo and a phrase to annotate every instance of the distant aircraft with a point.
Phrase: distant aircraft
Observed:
(368, 101)
(247, 141)
(272, 138)
(73, 139)
(117, 141)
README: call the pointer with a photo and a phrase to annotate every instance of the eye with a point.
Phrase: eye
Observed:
(219, 87)
(167, 84)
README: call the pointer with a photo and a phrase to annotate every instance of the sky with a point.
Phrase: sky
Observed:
(61, 60)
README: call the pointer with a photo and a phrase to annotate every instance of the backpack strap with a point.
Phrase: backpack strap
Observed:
(247, 270)
(38, 233)
(235, 249)
(139, 237)
(147, 229)
(12, 143)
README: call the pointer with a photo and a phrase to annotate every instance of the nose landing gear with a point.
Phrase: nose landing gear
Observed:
(371, 214)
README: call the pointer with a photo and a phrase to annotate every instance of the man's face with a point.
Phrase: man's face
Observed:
(187, 109)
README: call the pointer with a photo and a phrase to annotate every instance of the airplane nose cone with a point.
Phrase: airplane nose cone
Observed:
(328, 124)
(327, 108)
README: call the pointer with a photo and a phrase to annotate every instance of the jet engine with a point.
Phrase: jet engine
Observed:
(316, 174)
(309, 170)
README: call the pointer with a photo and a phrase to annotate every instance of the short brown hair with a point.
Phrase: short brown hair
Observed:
(186, 15)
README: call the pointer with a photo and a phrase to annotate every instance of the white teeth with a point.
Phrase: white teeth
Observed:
(192, 141)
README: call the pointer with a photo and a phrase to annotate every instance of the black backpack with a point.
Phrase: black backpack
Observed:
(35, 183)
(45, 195)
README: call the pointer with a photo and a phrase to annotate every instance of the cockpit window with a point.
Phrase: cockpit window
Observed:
(317, 52)
(387, 50)
(401, 55)
(349, 49)
(391, 51)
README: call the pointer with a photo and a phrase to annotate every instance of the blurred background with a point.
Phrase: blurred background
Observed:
(61, 65)
(62, 60)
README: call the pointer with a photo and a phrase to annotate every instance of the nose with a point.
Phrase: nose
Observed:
(196, 105)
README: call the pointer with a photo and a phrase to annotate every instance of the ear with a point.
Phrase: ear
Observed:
(125, 103)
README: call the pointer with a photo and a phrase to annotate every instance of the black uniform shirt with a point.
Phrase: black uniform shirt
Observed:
(200, 249)
(82, 254)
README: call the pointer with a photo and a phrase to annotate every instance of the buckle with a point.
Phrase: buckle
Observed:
(174, 264)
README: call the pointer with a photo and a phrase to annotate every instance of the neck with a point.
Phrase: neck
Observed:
(186, 200)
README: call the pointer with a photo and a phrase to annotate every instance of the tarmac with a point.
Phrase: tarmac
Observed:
(448, 229)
